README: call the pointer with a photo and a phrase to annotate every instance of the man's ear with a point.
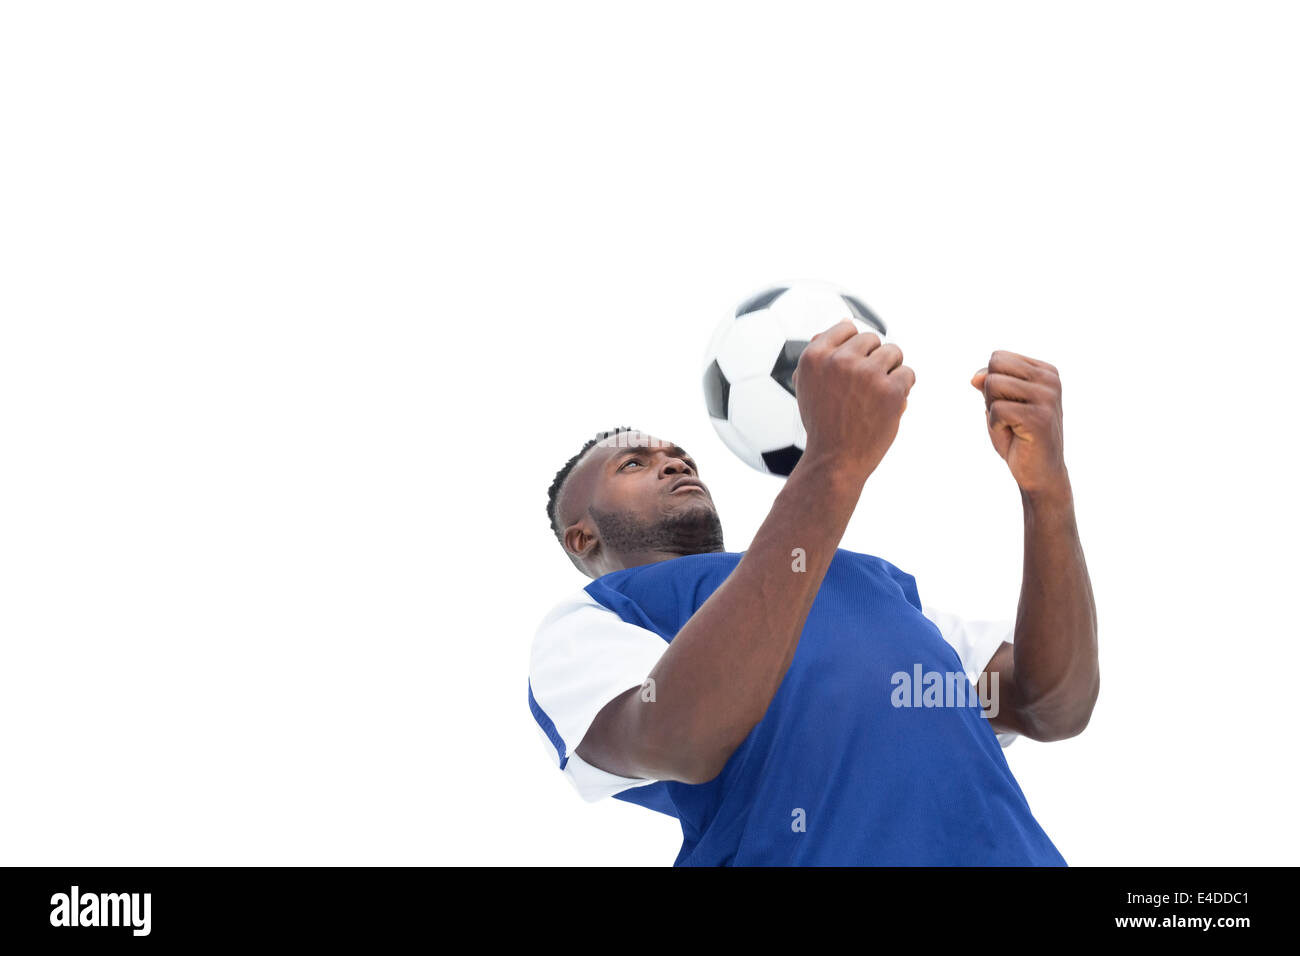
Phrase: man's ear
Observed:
(580, 539)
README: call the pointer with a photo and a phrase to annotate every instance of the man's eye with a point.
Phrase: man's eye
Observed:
(628, 462)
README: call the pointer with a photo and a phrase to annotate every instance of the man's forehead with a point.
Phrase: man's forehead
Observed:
(583, 480)
(628, 440)
(615, 445)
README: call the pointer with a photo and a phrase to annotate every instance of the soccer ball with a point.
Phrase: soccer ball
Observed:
(749, 368)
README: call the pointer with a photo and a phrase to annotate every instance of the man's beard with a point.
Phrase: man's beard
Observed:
(689, 531)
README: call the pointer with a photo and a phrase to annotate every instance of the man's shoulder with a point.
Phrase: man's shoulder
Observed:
(570, 612)
(571, 601)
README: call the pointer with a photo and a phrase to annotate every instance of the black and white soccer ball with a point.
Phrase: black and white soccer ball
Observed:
(750, 361)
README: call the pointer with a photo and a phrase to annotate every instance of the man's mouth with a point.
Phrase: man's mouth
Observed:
(687, 484)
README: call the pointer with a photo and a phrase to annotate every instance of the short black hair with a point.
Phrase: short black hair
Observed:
(553, 496)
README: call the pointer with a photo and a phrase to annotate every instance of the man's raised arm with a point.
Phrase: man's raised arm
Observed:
(1049, 679)
(715, 681)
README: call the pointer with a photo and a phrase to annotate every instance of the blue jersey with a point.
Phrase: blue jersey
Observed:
(861, 757)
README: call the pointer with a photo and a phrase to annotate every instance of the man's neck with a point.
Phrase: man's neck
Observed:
(638, 559)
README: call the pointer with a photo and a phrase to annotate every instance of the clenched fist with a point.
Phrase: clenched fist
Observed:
(851, 391)
(1022, 405)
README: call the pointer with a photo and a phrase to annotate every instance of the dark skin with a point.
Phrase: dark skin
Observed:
(1049, 679)
(621, 508)
(720, 672)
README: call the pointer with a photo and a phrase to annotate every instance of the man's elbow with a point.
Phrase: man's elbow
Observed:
(1062, 723)
(673, 753)
(1052, 731)
(697, 756)
(697, 772)
(687, 762)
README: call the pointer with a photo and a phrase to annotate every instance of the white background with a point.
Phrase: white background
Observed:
(305, 304)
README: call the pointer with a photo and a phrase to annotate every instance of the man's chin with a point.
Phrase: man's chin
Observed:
(687, 499)
(692, 501)
(697, 529)
(685, 528)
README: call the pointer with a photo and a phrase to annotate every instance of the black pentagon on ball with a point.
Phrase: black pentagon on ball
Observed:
(783, 460)
(760, 301)
(717, 391)
(862, 313)
(786, 362)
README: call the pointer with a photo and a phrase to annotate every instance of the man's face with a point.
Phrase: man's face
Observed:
(635, 499)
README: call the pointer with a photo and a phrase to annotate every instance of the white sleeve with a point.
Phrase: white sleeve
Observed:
(975, 643)
(583, 656)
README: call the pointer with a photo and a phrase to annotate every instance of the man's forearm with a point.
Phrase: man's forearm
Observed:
(1055, 650)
